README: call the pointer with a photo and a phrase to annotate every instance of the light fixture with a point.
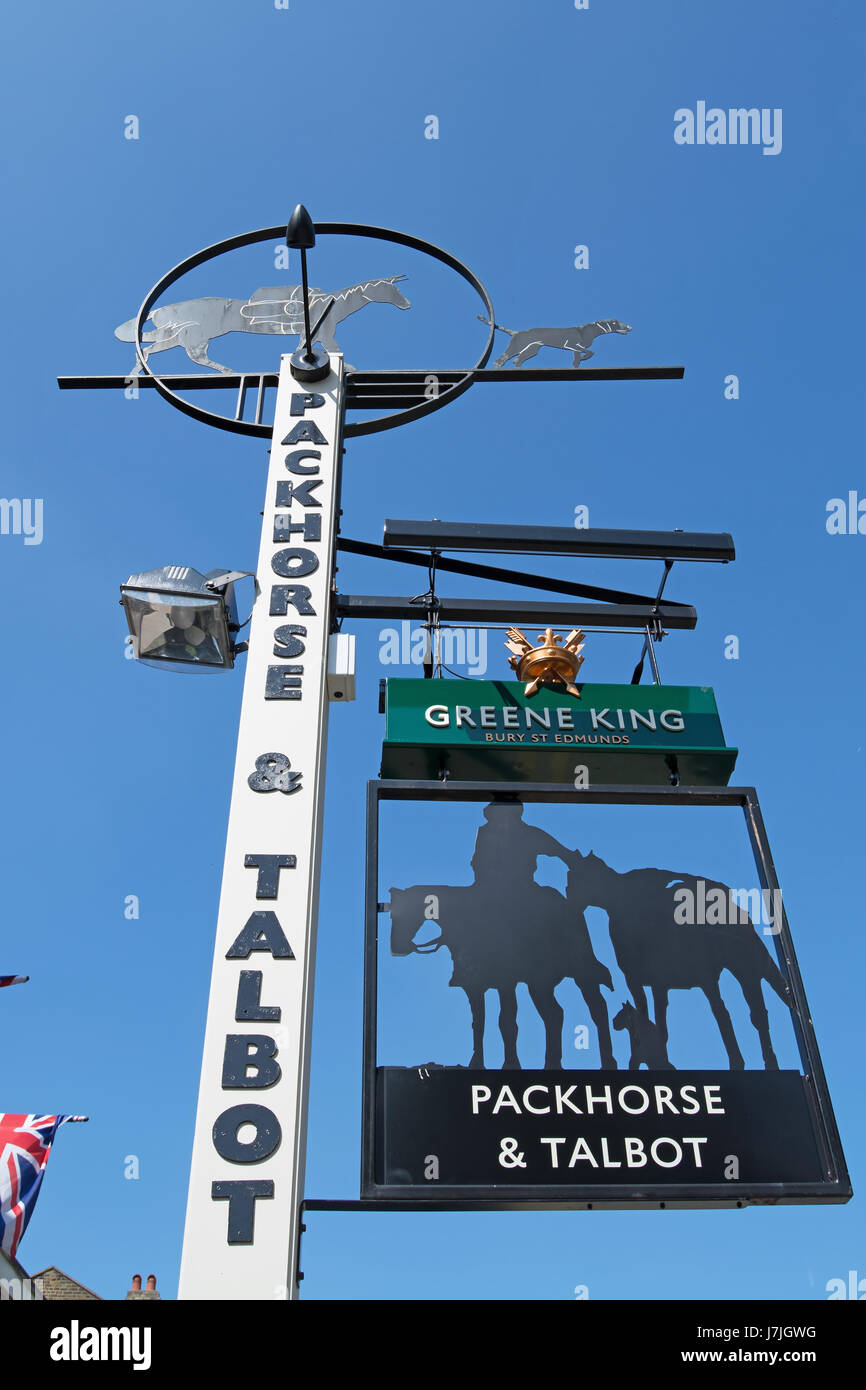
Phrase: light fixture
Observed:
(181, 619)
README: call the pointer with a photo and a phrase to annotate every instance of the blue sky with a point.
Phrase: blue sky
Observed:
(555, 130)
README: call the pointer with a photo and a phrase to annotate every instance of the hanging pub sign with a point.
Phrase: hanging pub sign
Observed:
(615, 734)
(550, 1022)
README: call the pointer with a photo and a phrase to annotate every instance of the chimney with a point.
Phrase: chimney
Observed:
(138, 1292)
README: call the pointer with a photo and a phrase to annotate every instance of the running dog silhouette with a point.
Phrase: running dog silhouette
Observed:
(654, 952)
(646, 1045)
(506, 929)
(526, 342)
(192, 323)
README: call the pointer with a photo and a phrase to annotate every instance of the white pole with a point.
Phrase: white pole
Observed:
(247, 1177)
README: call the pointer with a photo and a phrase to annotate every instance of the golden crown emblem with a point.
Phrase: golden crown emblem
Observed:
(552, 662)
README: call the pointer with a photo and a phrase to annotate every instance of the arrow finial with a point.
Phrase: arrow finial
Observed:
(300, 232)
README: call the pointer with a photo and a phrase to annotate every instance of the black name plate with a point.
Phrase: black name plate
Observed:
(466, 1130)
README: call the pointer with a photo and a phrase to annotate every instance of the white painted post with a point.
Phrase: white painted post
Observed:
(247, 1177)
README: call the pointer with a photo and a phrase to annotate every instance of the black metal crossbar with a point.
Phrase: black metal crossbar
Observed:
(467, 612)
(188, 381)
(374, 391)
(560, 540)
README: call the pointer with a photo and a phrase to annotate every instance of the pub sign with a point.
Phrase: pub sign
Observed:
(550, 1022)
(616, 733)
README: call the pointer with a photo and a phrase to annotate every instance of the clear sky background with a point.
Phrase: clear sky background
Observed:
(555, 129)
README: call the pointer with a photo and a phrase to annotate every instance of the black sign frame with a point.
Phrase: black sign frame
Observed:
(835, 1186)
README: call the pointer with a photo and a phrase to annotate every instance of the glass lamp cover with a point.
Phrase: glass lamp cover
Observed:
(171, 627)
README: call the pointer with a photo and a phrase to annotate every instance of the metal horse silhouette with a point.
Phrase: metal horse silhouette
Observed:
(526, 342)
(506, 929)
(192, 323)
(654, 952)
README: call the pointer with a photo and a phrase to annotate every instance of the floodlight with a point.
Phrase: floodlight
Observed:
(181, 619)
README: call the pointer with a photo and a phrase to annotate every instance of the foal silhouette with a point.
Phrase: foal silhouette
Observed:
(646, 1045)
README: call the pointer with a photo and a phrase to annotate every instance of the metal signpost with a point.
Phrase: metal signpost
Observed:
(250, 1135)
(543, 738)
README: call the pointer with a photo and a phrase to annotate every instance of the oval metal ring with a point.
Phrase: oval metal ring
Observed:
(379, 422)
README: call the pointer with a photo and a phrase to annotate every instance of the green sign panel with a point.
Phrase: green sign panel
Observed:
(488, 730)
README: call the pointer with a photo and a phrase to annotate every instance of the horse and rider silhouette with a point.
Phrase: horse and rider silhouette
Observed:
(192, 323)
(505, 929)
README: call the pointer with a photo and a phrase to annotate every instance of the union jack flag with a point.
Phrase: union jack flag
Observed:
(25, 1143)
